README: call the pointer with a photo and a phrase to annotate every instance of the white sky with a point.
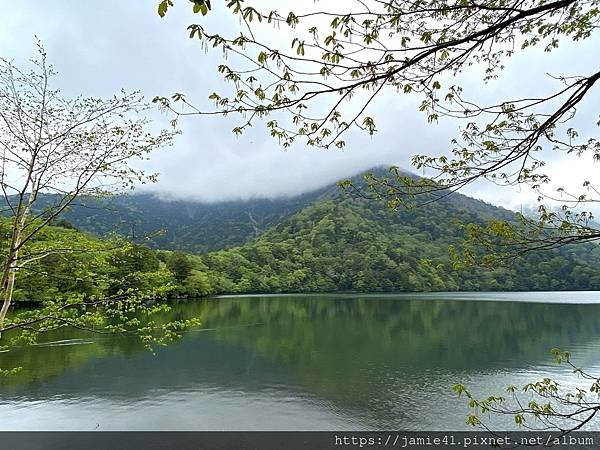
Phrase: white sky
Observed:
(101, 46)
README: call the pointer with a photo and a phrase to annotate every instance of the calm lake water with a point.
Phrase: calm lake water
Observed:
(301, 362)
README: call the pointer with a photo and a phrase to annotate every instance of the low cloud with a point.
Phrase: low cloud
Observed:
(119, 44)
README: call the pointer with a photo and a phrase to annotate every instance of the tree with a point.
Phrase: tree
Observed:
(64, 148)
(180, 265)
(129, 263)
(344, 55)
(134, 258)
(544, 405)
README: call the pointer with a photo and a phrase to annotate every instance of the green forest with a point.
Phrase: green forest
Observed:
(84, 264)
(357, 245)
(338, 243)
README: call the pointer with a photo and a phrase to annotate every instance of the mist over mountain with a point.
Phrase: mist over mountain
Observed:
(353, 244)
(199, 227)
(186, 225)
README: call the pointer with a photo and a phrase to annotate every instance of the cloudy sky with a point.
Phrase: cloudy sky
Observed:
(99, 47)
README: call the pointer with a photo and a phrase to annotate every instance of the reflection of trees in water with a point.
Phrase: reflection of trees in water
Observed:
(67, 349)
(426, 333)
(340, 345)
(379, 355)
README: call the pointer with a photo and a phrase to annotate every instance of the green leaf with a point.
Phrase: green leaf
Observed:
(163, 6)
(201, 6)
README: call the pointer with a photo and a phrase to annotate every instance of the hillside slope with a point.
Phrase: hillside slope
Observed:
(351, 244)
(201, 227)
(80, 265)
(185, 225)
(328, 240)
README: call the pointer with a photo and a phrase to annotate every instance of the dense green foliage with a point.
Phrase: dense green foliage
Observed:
(337, 243)
(184, 225)
(83, 265)
(358, 245)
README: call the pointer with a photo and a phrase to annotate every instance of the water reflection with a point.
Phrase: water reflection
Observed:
(302, 362)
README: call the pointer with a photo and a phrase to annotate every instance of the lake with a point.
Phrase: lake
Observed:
(305, 362)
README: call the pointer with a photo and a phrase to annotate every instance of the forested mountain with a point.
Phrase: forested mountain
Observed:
(200, 227)
(80, 265)
(327, 240)
(185, 225)
(351, 244)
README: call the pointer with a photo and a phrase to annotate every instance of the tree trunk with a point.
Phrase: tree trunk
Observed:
(8, 293)
(9, 272)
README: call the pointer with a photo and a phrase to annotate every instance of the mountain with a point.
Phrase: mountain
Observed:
(353, 244)
(185, 225)
(201, 227)
(81, 265)
(328, 240)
